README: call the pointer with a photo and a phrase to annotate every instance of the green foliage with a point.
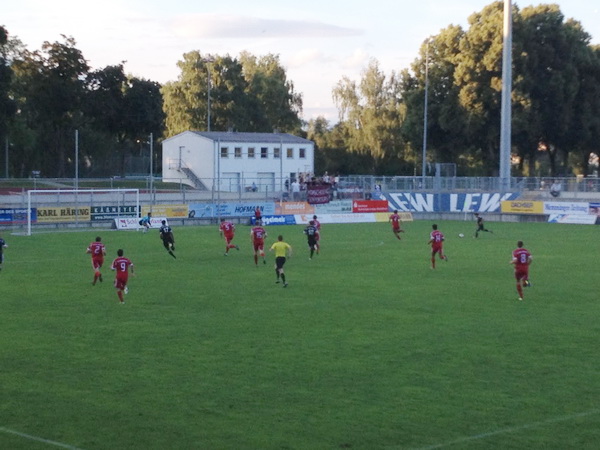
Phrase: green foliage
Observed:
(7, 105)
(249, 94)
(366, 348)
(371, 114)
(555, 71)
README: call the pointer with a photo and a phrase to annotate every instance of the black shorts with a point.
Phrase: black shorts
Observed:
(312, 243)
(279, 262)
(166, 242)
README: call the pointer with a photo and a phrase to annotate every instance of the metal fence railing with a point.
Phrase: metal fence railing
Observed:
(14, 191)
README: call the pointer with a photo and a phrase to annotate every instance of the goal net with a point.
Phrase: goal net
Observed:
(59, 208)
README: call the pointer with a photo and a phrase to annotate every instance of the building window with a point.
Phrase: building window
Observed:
(302, 153)
(264, 152)
(251, 152)
(276, 153)
(290, 153)
(224, 152)
(237, 152)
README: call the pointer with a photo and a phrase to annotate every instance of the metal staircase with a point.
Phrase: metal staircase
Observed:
(198, 184)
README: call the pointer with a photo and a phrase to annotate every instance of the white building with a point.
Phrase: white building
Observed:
(234, 161)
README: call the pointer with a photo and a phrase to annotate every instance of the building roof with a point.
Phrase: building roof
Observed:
(270, 138)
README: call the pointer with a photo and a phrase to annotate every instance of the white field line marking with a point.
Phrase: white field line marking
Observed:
(38, 439)
(511, 429)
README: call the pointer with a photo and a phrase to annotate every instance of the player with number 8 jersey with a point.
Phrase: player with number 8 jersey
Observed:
(521, 259)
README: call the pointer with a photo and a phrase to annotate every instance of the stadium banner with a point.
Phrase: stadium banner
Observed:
(522, 207)
(174, 211)
(14, 216)
(284, 208)
(334, 207)
(446, 202)
(385, 217)
(369, 206)
(63, 214)
(579, 219)
(317, 194)
(338, 218)
(133, 223)
(110, 212)
(566, 208)
(279, 220)
(230, 209)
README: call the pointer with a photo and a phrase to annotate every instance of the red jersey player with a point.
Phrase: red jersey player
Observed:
(227, 230)
(317, 225)
(97, 250)
(396, 222)
(121, 265)
(436, 239)
(521, 259)
(257, 237)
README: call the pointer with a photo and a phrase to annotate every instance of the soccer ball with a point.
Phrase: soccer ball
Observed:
(461, 235)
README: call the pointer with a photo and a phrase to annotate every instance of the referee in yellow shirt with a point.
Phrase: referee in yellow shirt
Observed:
(281, 249)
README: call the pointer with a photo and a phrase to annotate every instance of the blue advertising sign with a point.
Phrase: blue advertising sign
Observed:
(446, 202)
(278, 220)
(11, 216)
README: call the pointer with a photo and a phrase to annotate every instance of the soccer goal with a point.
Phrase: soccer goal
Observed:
(54, 208)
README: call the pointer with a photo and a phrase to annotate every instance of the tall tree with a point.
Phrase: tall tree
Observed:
(372, 113)
(7, 104)
(277, 105)
(51, 87)
(249, 94)
(554, 63)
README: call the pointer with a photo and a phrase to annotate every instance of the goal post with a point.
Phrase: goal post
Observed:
(70, 207)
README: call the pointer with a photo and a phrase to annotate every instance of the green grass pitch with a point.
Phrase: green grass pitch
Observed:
(368, 348)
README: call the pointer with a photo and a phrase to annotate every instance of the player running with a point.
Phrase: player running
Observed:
(257, 237)
(311, 233)
(227, 231)
(396, 224)
(318, 236)
(480, 226)
(521, 259)
(98, 252)
(3, 245)
(166, 234)
(436, 240)
(281, 248)
(122, 266)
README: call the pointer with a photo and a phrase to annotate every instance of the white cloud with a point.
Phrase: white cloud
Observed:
(357, 60)
(308, 56)
(219, 26)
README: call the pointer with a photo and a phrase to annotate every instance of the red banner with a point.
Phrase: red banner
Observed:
(368, 206)
(317, 194)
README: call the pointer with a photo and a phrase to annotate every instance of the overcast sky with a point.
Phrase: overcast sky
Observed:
(318, 42)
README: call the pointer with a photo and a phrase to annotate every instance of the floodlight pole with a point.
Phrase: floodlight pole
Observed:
(208, 61)
(76, 159)
(505, 114)
(6, 158)
(424, 157)
(151, 164)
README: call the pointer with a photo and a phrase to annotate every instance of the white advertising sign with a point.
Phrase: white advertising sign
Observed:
(337, 218)
(133, 223)
(566, 208)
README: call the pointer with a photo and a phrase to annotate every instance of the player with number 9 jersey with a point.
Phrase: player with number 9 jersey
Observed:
(122, 266)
